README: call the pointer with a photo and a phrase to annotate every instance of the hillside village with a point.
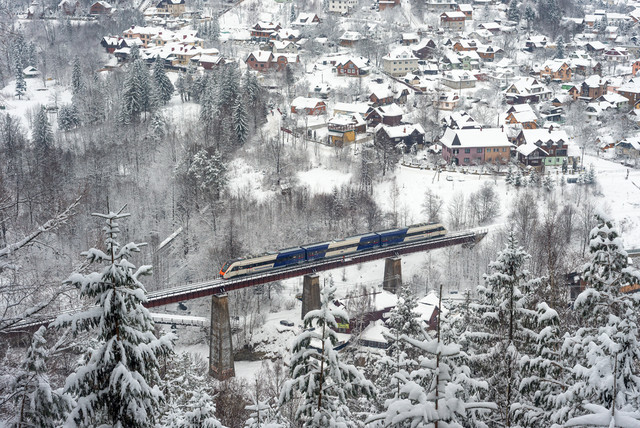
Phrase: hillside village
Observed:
(228, 129)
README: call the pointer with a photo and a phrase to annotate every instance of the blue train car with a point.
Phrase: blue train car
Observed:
(316, 251)
(392, 237)
(368, 241)
(288, 257)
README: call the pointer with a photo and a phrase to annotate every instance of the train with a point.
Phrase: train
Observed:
(325, 250)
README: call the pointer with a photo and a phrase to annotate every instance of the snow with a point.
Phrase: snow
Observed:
(322, 180)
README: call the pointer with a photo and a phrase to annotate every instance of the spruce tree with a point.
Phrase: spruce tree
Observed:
(76, 76)
(560, 47)
(181, 87)
(214, 30)
(319, 376)
(42, 137)
(513, 13)
(240, 121)
(604, 351)
(137, 95)
(21, 85)
(118, 383)
(162, 82)
(39, 405)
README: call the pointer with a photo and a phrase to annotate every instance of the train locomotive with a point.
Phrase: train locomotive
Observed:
(326, 250)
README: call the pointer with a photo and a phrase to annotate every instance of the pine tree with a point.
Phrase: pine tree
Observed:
(137, 94)
(318, 376)
(240, 122)
(76, 76)
(500, 330)
(118, 383)
(214, 30)
(21, 85)
(201, 413)
(560, 47)
(181, 87)
(162, 82)
(68, 117)
(530, 16)
(39, 405)
(42, 137)
(292, 15)
(604, 351)
(513, 13)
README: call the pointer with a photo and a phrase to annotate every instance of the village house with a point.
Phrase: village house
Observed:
(284, 47)
(553, 142)
(531, 155)
(407, 39)
(68, 7)
(349, 38)
(475, 146)
(631, 91)
(535, 42)
(459, 120)
(617, 100)
(263, 31)
(387, 4)
(305, 19)
(441, 5)
(452, 21)
(405, 134)
(527, 90)
(111, 43)
(555, 70)
(467, 9)
(628, 148)
(399, 62)
(489, 53)
(458, 79)
(389, 115)
(616, 55)
(344, 128)
(342, 7)
(260, 60)
(593, 87)
(446, 101)
(100, 8)
(381, 97)
(308, 106)
(523, 115)
(425, 48)
(465, 45)
(353, 66)
(172, 7)
(351, 108)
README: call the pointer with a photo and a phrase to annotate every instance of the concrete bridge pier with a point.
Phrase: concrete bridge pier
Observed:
(392, 274)
(310, 293)
(220, 345)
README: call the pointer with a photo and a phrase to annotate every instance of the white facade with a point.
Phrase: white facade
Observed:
(399, 62)
(341, 6)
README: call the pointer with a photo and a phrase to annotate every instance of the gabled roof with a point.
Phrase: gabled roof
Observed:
(400, 131)
(528, 148)
(487, 137)
(542, 136)
(261, 56)
(390, 110)
(304, 102)
(360, 108)
(400, 53)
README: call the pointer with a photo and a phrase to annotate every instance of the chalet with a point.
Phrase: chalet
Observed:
(305, 19)
(492, 27)
(531, 155)
(284, 47)
(406, 135)
(321, 90)
(442, 5)
(308, 106)
(30, 72)
(523, 115)
(211, 61)
(399, 62)
(465, 45)
(282, 60)
(458, 79)
(111, 43)
(585, 67)
(389, 115)
(489, 53)
(260, 60)
(342, 7)
(593, 87)
(447, 101)
(350, 108)
(629, 148)
(467, 9)
(555, 70)
(381, 97)
(535, 42)
(527, 90)
(68, 7)
(409, 39)
(343, 129)
(424, 49)
(460, 120)
(387, 4)
(595, 110)
(617, 100)
(452, 21)
(349, 38)
(171, 7)
(353, 66)
(100, 8)
(554, 143)
(263, 31)
(475, 146)
(595, 47)
(616, 54)
(400, 96)
(287, 35)
(552, 113)
(631, 91)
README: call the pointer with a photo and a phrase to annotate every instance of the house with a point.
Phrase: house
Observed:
(467, 9)
(424, 49)
(353, 66)
(628, 148)
(100, 8)
(441, 5)
(308, 106)
(172, 7)
(465, 45)
(631, 91)
(446, 101)
(555, 70)
(460, 120)
(68, 7)
(287, 35)
(593, 87)
(522, 114)
(282, 60)
(616, 54)
(407, 39)
(551, 113)
(260, 60)
(385, 4)
(406, 134)
(399, 62)
(305, 19)
(535, 42)
(381, 97)
(350, 38)
(595, 47)
(620, 102)
(342, 7)
(30, 72)
(594, 110)
(553, 142)
(531, 155)
(349, 108)
(111, 43)
(475, 146)
(452, 21)
(284, 47)
(527, 90)
(458, 79)
(389, 115)
(635, 66)
(263, 31)
(343, 128)
(489, 53)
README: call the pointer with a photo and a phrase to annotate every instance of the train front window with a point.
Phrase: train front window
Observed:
(225, 266)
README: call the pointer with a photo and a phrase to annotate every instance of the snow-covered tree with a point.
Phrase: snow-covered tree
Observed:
(513, 13)
(76, 76)
(21, 85)
(163, 84)
(560, 47)
(499, 333)
(201, 413)
(137, 93)
(68, 117)
(181, 87)
(42, 136)
(324, 382)
(604, 352)
(118, 384)
(240, 121)
(38, 404)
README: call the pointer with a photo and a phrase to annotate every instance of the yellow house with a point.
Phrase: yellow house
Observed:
(172, 7)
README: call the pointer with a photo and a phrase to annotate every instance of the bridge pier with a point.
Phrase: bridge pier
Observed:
(220, 346)
(310, 293)
(392, 274)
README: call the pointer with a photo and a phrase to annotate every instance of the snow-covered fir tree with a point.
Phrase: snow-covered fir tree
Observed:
(240, 122)
(21, 85)
(38, 404)
(68, 117)
(163, 84)
(318, 375)
(42, 136)
(137, 93)
(201, 412)
(118, 384)
(604, 351)
(76, 76)
(499, 332)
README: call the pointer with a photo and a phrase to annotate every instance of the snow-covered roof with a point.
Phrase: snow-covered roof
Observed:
(261, 56)
(487, 137)
(400, 131)
(360, 108)
(304, 102)
(390, 110)
(400, 53)
(528, 148)
(543, 136)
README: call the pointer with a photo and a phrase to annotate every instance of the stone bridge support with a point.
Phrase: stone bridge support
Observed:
(220, 345)
(392, 274)
(310, 293)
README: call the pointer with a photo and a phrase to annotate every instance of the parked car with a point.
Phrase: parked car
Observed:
(286, 323)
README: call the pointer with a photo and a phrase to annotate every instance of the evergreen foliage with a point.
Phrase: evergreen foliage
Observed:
(137, 95)
(162, 82)
(117, 384)
(76, 76)
(240, 121)
(21, 85)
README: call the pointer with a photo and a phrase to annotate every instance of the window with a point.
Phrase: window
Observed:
(504, 149)
(479, 150)
(467, 150)
(466, 160)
